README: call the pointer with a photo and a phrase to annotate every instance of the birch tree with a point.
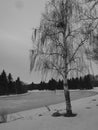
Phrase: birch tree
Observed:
(58, 41)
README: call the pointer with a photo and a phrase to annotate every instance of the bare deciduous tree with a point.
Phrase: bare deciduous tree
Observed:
(59, 41)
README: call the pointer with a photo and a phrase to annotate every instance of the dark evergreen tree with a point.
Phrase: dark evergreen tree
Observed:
(11, 87)
(60, 85)
(18, 86)
(4, 83)
(87, 81)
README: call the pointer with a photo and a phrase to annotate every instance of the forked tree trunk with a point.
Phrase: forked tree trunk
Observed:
(67, 97)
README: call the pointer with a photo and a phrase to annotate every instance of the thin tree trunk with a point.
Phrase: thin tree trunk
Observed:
(67, 97)
(65, 54)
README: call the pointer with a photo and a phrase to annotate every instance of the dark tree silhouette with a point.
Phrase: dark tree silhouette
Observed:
(11, 85)
(18, 86)
(4, 83)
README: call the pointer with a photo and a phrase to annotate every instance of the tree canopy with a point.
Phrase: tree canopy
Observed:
(64, 28)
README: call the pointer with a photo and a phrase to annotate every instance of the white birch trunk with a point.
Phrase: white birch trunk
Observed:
(67, 97)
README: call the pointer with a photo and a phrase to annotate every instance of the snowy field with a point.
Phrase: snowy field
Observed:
(86, 108)
(38, 99)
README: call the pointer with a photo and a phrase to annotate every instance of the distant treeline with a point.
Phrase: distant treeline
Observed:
(74, 83)
(8, 86)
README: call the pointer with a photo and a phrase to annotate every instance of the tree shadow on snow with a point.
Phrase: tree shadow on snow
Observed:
(93, 99)
(58, 114)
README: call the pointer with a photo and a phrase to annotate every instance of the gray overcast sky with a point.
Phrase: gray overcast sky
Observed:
(17, 18)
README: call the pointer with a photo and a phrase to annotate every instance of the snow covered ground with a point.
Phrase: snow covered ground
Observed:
(43, 119)
(13, 104)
